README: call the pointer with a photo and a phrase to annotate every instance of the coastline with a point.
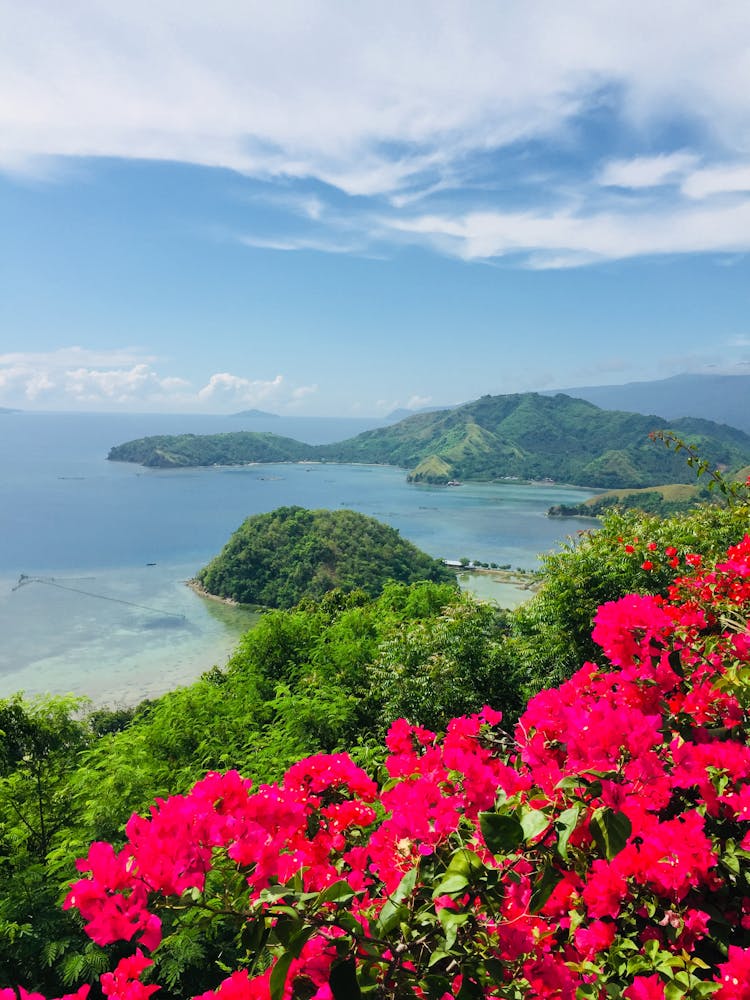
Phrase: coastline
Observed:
(198, 589)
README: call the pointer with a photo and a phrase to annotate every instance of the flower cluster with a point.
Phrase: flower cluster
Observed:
(652, 556)
(601, 851)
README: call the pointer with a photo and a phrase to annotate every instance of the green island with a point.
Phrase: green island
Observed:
(326, 676)
(277, 559)
(174, 451)
(524, 436)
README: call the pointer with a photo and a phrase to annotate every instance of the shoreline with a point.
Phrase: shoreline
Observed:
(196, 588)
(502, 480)
(515, 579)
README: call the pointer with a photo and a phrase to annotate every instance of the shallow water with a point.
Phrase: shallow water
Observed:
(108, 546)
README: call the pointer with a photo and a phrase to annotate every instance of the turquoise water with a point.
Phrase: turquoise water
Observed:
(106, 547)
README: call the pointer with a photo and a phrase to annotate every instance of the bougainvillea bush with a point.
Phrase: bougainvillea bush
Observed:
(601, 851)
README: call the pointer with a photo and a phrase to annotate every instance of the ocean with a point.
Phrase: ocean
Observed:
(94, 555)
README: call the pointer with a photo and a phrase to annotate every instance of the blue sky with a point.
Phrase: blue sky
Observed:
(336, 208)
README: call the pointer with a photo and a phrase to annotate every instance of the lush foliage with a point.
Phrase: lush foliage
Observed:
(603, 852)
(279, 558)
(525, 436)
(39, 753)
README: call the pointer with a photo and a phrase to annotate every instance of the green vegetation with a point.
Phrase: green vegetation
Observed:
(277, 559)
(524, 436)
(431, 470)
(674, 498)
(528, 436)
(234, 448)
(327, 675)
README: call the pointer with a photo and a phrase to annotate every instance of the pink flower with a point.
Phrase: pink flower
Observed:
(645, 988)
(734, 975)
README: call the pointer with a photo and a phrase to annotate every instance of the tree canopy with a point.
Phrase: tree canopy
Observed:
(277, 559)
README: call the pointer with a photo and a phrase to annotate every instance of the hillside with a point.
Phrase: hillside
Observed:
(530, 436)
(277, 559)
(664, 501)
(523, 436)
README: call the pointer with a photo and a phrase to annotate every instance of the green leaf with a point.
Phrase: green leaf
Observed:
(610, 830)
(343, 980)
(453, 883)
(349, 922)
(436, 986)
(390, 917)
(565, 824)
(465, 862)
(450, 921)
(501, 833)
(279, 974)
(533, 823)
(286, 927)
(437, 956)
(543, 888)
(470, 989)
(339, 892)
(394, 912)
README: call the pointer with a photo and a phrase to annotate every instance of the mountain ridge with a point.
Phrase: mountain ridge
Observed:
(526, 436)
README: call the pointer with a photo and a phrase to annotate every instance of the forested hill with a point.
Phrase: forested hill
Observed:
(233, 448)
(521, 436)
(529, 436)
(279, 558)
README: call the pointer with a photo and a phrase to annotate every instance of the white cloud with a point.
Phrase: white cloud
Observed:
(717, 180)
(58, 379)
(227, 386)
(646, 171)
(302, 391)
(88, 385)
(373, 98)
(416, 402)
(227, 389)
(289, 243)
(569, 238)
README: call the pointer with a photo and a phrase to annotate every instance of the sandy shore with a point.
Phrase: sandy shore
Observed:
(196, 587)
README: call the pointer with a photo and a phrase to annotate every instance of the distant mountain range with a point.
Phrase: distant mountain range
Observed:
(522, 436)
(723, 398)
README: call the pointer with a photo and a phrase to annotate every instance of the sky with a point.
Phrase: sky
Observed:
(336, 208)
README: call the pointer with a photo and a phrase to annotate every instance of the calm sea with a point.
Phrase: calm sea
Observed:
(101, 550)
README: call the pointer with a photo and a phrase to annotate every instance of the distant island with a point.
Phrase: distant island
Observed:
(255, 413)
(525, 436)
(280, 558)
(174, 451)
